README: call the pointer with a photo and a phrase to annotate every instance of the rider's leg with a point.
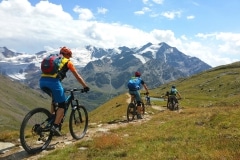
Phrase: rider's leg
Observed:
(59, 113)
(59, 116)
(139, 100)
(59, 97)
(139, 107)
(132, 96)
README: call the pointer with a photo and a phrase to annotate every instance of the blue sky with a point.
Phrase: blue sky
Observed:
(207, 29)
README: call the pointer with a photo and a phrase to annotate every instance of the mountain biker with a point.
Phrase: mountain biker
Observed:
(173, 93)
(51, 84)
(134, 90)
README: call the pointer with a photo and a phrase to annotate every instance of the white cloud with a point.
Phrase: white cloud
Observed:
(171, 14)
(139, 12)
(191, 17)
(84, 13)
(102, 10)
(158, 1)
(143, 11)
(228, 43)
(27, 28)
(145, 1)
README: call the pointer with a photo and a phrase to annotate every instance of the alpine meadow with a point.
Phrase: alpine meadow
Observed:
(206, 126)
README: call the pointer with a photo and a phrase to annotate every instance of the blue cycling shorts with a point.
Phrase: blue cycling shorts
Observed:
(137, 95)
(55, 86)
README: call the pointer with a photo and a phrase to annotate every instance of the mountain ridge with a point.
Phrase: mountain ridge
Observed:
(106, 71)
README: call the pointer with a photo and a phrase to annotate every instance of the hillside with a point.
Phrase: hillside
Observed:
(219, 87)
(16, 100)
(207, 126)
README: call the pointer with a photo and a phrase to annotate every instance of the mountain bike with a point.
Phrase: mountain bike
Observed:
(35, 131)
(172, 105)
(132, 109)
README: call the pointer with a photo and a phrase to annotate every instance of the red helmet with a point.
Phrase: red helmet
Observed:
(137, 74)
(66, 51)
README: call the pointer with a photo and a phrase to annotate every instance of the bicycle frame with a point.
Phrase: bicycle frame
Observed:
(69, 102)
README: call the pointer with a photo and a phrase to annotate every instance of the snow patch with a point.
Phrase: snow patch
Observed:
(140, 57)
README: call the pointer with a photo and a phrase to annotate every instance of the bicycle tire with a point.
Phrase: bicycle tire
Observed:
(170, 106)
(78, 122)
(131, 112)
(142, 110)
(32, 138)
(176, 107)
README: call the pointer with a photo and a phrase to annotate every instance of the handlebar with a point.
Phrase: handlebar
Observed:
(75, 90)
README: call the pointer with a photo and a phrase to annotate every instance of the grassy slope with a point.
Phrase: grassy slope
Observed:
(207, 128)
(16, 100)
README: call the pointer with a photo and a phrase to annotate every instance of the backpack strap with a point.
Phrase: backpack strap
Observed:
(63, 69)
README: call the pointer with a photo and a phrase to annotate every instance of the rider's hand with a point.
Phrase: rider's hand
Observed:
(86, 89)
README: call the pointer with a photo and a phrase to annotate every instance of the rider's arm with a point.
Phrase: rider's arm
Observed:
(76, 75)
(179, 95)
(145, 87)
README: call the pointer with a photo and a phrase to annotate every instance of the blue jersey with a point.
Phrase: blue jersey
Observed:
(135, 83)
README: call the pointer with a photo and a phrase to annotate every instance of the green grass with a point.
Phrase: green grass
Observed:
(195, 133)
(206, 128)
(15, 102)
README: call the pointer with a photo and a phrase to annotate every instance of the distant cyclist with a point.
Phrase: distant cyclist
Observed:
(134, 85)
(173, 93)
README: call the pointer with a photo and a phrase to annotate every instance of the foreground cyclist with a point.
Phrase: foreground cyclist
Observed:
(51, 84)
(134, 85)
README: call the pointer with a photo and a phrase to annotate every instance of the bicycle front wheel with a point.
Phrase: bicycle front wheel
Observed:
(34, 135)
(78, 122)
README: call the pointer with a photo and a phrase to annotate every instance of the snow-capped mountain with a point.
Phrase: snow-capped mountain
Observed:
(158, 63)
(16, 65)
(107, 71)
(161, 62)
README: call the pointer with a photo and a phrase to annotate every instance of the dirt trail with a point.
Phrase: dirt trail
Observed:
(18, 153)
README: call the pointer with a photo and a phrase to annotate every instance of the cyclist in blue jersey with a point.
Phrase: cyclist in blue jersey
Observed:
(134, 85)
(173, 93)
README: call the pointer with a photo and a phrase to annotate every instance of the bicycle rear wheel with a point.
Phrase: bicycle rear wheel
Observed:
(78, 122)
(176, 106)
(131, 111)
(34, 135)
(171, 106)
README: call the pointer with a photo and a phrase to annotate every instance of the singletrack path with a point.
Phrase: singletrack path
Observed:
(16, 152)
